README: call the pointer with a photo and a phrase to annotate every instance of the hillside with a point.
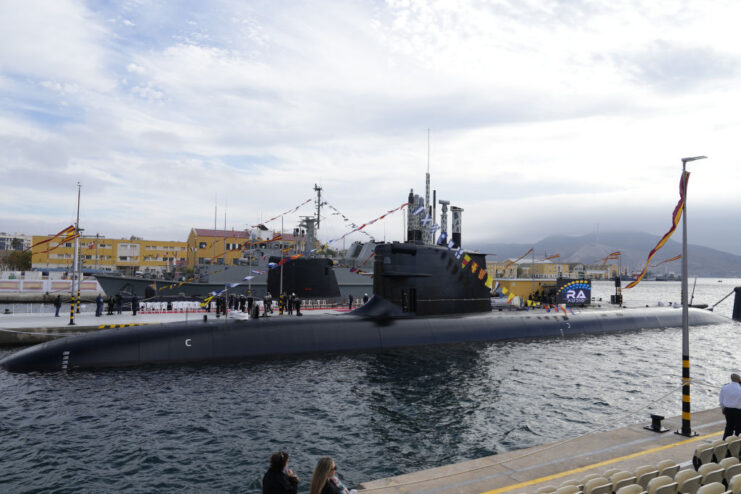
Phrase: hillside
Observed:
(634, 246)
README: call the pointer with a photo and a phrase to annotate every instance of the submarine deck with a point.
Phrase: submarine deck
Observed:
(527, 470)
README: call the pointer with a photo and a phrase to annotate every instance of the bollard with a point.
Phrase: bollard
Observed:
(205, 318)
(737, 304)
(656, 424)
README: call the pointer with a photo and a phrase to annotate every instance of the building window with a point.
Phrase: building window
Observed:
(202, 245)
(201, 260)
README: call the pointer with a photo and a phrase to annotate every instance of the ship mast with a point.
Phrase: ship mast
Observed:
(318, 191)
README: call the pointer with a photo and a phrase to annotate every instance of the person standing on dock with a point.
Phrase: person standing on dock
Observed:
(99, 305)
(291, 298)
(119, 304)
(730, 404)
(57, 305)
(297, 305)
(134, 305)
(350, 298)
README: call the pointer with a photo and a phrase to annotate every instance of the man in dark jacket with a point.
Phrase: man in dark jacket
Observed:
(57, 305)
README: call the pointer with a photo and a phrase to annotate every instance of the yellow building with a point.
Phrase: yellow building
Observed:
(500, 270)
(206, 246)
(527, 269)
(544, 269)
(106, 254)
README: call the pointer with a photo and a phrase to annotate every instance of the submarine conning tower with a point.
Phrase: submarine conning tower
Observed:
(426, 280)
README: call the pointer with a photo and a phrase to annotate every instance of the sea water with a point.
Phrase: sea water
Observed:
(212, 428)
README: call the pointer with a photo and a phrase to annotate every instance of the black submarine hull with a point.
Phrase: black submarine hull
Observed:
(212, 341)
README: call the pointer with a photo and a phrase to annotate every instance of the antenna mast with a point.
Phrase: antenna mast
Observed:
(318, 191)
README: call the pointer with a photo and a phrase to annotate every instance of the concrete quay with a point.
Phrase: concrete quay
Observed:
(33, 328)
(527, 470)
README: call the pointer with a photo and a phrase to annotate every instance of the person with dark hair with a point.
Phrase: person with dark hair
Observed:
(57, 305)
(134, 305)
(279, 479)
(350, 298)
(730, 405)
(119, 303)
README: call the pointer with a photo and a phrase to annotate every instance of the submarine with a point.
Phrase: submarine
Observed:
(424, 294)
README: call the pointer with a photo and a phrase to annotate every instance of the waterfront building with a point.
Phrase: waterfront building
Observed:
(15, 241)
(500, 269)
(128, 256)
(226, 247)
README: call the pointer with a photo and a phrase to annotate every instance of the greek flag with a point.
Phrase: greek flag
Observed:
(443, 238)
(426, 220)
(247, 278)
(451, 244)
(459, 253)
(418, 211)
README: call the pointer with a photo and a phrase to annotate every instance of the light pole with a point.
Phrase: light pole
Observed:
(686, 429)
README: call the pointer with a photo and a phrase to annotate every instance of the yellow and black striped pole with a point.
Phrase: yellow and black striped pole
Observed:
(72, 310)
(686, 415)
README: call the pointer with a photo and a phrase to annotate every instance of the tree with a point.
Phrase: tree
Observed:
(16, 244)
(19, 261)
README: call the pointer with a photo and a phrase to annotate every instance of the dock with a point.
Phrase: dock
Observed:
(527, 470)
(33, 328)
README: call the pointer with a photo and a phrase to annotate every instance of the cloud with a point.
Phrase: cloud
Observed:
(545, 116)
(674, 67)
(60, 41)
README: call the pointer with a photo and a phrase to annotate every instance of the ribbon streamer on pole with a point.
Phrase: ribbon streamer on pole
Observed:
(676, 216)
(519, 258)
(613, 255)
(70, 230)
(666, 261)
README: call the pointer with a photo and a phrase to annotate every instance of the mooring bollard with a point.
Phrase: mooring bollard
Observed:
(656, 424)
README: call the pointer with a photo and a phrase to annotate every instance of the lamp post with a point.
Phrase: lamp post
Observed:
(686, 429)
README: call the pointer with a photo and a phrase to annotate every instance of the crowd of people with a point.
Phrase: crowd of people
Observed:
(280, 479)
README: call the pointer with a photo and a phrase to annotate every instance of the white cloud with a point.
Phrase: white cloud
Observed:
(546, 116)
(57, 41)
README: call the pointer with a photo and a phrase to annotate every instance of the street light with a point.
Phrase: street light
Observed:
(686, 429)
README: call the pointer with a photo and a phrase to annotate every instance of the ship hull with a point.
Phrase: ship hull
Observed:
(211, 341)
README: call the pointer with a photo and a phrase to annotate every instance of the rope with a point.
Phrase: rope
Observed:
(721, 300)
(525, 455)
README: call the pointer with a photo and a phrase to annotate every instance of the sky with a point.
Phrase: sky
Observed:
(544, 117)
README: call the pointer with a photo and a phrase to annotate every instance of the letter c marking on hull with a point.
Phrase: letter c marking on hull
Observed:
(187, 342)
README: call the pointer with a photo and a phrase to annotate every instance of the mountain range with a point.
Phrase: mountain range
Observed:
(634, 247)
